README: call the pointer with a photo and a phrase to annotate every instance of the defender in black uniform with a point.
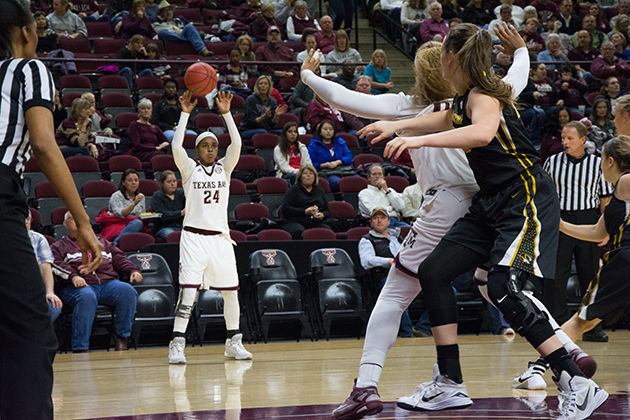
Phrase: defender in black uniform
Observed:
(512, 222)
(607, 297)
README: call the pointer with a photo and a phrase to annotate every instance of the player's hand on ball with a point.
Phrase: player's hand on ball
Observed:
(186, 103)
(223, 101)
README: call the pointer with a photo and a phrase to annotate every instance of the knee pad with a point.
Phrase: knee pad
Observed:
(185, 303)
(505, 290)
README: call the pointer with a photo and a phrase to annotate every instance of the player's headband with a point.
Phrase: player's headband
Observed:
(205, 135)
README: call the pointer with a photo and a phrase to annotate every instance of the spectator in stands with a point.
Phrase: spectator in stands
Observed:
(318, 111)
(583, 52)
(310, 43)
(300, 21)
(552, 27)
(135, 22)
(589, 24)
(159, 68)
(378, 194)
(290, 154)
(450, 9)
(330, 154)
(619, 41)
(247, 12)
(601, 21)
(534, 41)
(301, 97)
(304, 205)
(166, 113)
(551, 143)
(530, 12)
(380, 75)
(246, 46)
(502, 63)
(516, 12)
(620, 23)
(412, 13)
(88, 11)
(233, 75)
(45, 258)
(64, 22)
(127, 204)
(170, 202)
(343, 10)
(364, 85)
(273, 50)
(538, 99)
(74, 135)
(622, 8)
(41, 6)
(545, 8)
(610, 91)
(86, 290)
(377, 249)
(412, 197)
(607, 65)
(552, 53)
(151, 9)
(261, 110)
(341, 54)
(601, 117)
(259, 29)
(47, 38)
(326, 36)
(99, 121)
(134, 50)
(569, 22)
(147, 139)
(284, 8)
(348, 77)
(571, 89)
(435, 26)
(59, 112)
(478, 13)
(168, 27)
(505, 16)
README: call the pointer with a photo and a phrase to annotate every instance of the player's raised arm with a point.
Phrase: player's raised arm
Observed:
(233, 152)
(183, 162)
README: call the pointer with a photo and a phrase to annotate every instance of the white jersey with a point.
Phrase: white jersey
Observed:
(207, 189)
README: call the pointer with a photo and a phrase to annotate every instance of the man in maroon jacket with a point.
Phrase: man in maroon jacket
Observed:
(87, 290)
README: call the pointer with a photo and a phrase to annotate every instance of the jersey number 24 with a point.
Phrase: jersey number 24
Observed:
(210, 197)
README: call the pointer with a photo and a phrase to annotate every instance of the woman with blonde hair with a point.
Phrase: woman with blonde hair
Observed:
(246, 45)
(74, 135)
(261, 110)
(511, 224)
(380, 75)
(64, 22)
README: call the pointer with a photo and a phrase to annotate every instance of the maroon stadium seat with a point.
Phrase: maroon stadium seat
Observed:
(398, 183)
(318, 234)
(237, 187)
(82, 164)
(251, 211)
(122, 162)
(99, 29)
(205, 120)
(56, 217)
(265, 140)
(148, 187)
(134, 242)
(238, 236)
(341, 210)
(112, 81)
(285, 118)
(97, 189)
(66, 100)
(271, 185)
(125, 118)
(149, 82)
(117, 100)
(352, 184)
(250, 163)
(356, 233)
(274, 235)
(163, 163)
(173, 237)
(45, 190)
(75, 81)
(364, 158)
(108, 47)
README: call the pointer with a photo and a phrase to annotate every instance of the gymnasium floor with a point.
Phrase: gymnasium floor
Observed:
(307, 380)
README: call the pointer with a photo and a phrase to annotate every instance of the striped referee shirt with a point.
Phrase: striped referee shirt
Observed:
(579, 182)
(24, 83)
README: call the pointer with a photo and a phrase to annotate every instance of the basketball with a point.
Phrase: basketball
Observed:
(200, 78)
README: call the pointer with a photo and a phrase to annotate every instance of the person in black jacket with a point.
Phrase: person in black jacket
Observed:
(170, 201)
(305, 204)
(166, 111)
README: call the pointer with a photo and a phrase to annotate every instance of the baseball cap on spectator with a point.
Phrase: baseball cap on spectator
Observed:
(164, 5)
(272, 28)
(379, 210)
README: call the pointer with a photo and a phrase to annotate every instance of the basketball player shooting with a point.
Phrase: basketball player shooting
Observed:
(206, 255)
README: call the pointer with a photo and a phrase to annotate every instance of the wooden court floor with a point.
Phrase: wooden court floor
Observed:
(305, 380)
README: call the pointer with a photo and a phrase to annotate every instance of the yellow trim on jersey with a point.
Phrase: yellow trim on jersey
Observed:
(503, 130)
(529, 202)
(617, 238)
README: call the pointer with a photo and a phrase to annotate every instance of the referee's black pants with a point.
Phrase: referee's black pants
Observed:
(27, 340)
(586, 263)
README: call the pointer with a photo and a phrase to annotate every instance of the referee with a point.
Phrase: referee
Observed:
(27, 340)
(582, 191)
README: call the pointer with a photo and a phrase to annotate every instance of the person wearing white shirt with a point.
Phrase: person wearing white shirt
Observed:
(412, 196)
(378, 194)
(300, 21)
(505, 16)
(391, 4)
(517, 12)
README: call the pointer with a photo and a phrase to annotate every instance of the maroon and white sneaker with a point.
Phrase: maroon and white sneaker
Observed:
(361, 402)
(586, 363)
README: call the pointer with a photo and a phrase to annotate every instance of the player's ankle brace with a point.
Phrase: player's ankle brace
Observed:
(232, 333)
(560, 360)
(448, 362)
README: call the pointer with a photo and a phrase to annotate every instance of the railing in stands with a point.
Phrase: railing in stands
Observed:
(379, 16)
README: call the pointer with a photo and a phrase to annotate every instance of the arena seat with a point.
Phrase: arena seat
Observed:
(285, 118)
(47, 201)
(149, 84)
(238, 195)
(118, 164)
(342, 216)
(66, 99)
(305, 138)
(351, 142)
(83, 169)
(108, 47)
(173, 237)
(396, 182)
(278, 293)
(125, 118)
(96, 195)
(148, 187)
(191, 14)
(350, 186)
(264, 144)
(356, 233)
(237, 236)
(365, 158)
(272, 191)
(134, 242)
(161, 163)
(204, 120)
(318, 234)
(274, 235)
(99, 30)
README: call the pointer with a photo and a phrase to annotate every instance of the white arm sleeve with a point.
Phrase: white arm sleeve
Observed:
(518, 73)
(233, 151)
(396, 200)
(183, 162)
(388, 106)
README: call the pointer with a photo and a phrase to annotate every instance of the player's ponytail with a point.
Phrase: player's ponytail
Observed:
(473, 47)
(619, 149)
(14, 16)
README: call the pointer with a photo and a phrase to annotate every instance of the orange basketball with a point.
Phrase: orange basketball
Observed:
(200, 78)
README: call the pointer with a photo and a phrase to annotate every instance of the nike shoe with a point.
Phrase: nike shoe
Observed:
(440, 394)
(176, 350)
(578, 396)
(361, 402)
(234, 348)
(586, 363)
(532, 378)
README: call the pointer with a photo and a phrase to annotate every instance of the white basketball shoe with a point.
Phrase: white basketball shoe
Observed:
(440, 394)
(532, 378)
(578, 397)
(234, 348)
(176, 351)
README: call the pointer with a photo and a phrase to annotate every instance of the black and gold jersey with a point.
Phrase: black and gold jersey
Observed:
(617, 217)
